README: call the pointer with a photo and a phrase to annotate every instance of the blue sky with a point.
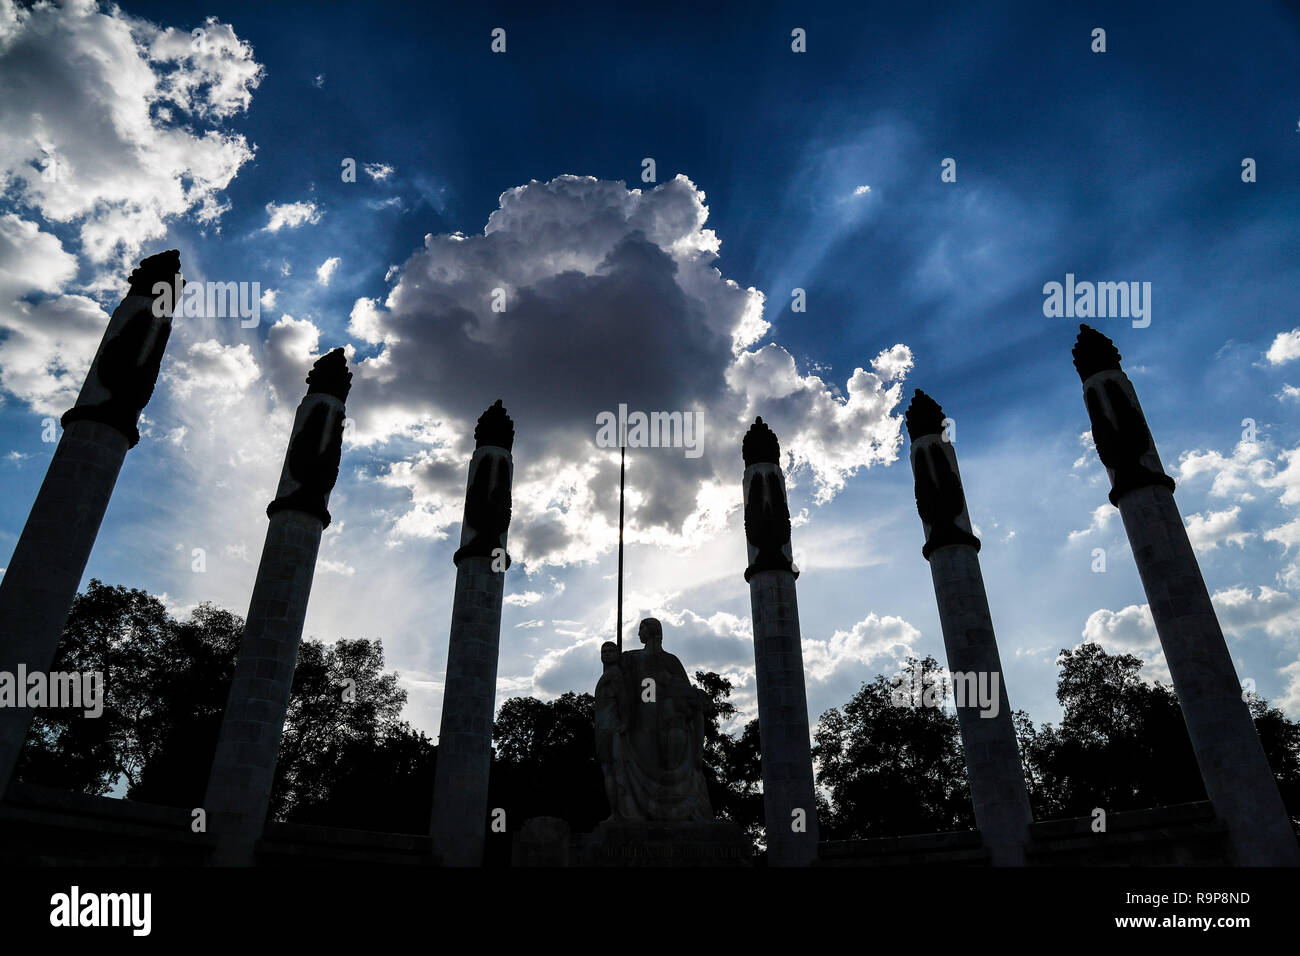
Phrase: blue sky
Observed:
(1116, 166)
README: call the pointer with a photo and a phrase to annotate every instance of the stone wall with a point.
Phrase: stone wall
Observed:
(1186, 834)
(48, 827)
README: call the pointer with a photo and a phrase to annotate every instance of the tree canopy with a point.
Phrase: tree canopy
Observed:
(891, 770)
(346, 758)
(885, 767)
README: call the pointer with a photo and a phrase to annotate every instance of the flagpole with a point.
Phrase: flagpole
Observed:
(622, 456)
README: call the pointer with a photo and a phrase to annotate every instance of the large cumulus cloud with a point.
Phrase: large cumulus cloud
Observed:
(611, 296)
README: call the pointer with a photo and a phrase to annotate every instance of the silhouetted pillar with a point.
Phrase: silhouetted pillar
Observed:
(243, 769)
(789, 800)
(1236, 773)
(460, 789)
(997, 781)
(41, 580)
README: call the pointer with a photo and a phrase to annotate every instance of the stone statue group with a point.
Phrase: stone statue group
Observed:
(650, 733)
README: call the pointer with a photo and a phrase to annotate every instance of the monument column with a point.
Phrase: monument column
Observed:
(1236, 773)
(789, 800)
(460, 788)
(997, 781)
(41, 580)
(243, 769)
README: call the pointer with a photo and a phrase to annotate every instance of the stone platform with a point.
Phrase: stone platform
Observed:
(546, 841)
(637, 843)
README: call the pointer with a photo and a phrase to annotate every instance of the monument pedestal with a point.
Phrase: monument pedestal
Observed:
(656, 843)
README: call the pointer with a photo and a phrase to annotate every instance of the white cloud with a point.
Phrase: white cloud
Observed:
(31, 260)
(1089, 456)
(1237, 477)
(1101, 518)
(109, 127)
(1285, 348)
(1290, 699)
(48, 345)
(48, 349)
(868, 643)
(1132, 630)
(1239, 610)
(378, 171)
(832, 437)
(291, 347)
(222, 373)
(219, 73)
(290, 216)
(365, 322)
(1128, 631)
(523, 599)
(1287, 535)
(1206, 531)
(268, 298)
(325, 271)
(128, 113)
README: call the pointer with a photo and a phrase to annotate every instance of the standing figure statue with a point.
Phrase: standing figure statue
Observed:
(612, 711)
(650, 732)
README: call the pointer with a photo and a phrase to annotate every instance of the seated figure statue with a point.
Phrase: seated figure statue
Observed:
(650, 727)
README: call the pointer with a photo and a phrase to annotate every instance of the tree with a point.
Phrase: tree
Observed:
(341, 698)
(165, 689)
(148, 665)
(731, 762)
(546, 762)
(1121, 743)
(384, 783)
(174, 770)
(892, 768)
(1281, 739)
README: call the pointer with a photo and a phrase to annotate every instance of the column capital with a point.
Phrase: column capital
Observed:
(311, 464)
(487, 489)
(940, 499)
(1119, 429)
(767, 509)
(124, 372)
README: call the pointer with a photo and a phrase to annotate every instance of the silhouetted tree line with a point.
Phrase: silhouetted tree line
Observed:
(348, 760)
(1121, 744)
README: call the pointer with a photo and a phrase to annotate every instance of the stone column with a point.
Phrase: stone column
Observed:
(789, 800)
(47, 564)
(460, 788)
(1237, 776)
(997, 780)
(243, 769)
